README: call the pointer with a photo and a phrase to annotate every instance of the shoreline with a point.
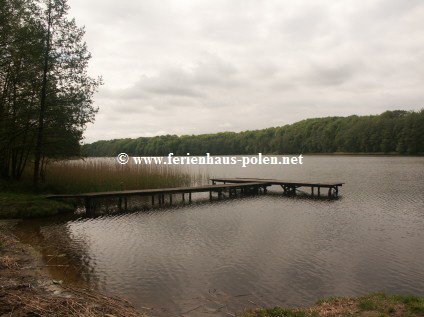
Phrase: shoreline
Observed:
(278, 154)
(372, 305)
(27, 289)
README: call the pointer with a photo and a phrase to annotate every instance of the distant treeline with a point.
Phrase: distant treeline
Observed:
(396, 131)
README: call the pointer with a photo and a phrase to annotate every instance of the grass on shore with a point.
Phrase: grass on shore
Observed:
(14, 205)
(373, 305)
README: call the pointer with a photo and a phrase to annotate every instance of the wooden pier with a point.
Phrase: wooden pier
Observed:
(232, 189)
(232, 186)
(289, 188)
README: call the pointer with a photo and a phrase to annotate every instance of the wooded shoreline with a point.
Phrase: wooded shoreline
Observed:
(392, 132)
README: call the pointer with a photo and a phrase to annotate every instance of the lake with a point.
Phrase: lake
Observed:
(218, 258)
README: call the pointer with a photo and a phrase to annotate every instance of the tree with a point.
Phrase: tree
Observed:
(20, 48)
(46, 94)
(66, 88)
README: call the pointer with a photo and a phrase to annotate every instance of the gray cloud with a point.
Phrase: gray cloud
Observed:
(202, 66)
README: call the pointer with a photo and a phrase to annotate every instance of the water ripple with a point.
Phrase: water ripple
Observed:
(268, 250)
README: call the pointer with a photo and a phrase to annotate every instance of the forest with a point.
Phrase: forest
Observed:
(394, 132)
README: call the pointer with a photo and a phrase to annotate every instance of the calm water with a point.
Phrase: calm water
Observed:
(215, 259)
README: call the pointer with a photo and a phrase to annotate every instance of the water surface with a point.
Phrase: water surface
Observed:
(215, 259)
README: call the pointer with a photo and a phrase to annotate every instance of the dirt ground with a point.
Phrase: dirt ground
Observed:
(27, 290)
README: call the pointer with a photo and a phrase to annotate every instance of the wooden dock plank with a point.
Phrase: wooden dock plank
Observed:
(277, 182)
(149, 192)
(246, 185)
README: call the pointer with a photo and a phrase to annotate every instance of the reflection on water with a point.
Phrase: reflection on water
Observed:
(211, 259)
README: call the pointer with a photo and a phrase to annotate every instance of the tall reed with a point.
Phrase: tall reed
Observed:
(105, 174)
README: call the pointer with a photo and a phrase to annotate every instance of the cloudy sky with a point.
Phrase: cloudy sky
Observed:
(204, 66)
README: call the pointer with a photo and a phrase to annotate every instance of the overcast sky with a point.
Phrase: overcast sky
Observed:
(204, 66)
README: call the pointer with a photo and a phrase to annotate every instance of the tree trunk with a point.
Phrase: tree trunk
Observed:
(40, 131)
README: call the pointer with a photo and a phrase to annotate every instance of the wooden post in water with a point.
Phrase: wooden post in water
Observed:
(170, 199)
(333, 191)
(88, 206)
(189, 197)
(153, 200)
(125, 203)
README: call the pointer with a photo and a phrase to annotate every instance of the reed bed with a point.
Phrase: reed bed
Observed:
(105, 174)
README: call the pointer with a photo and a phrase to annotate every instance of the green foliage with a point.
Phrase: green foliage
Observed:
(29, 206)
(279, 312)
(400, 132)
(45, 90)
(415, 303)
(377, 304)
(366, 304)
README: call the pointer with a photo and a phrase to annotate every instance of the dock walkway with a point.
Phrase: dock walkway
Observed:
(243, 187)
(230, 185)
(289, 187)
